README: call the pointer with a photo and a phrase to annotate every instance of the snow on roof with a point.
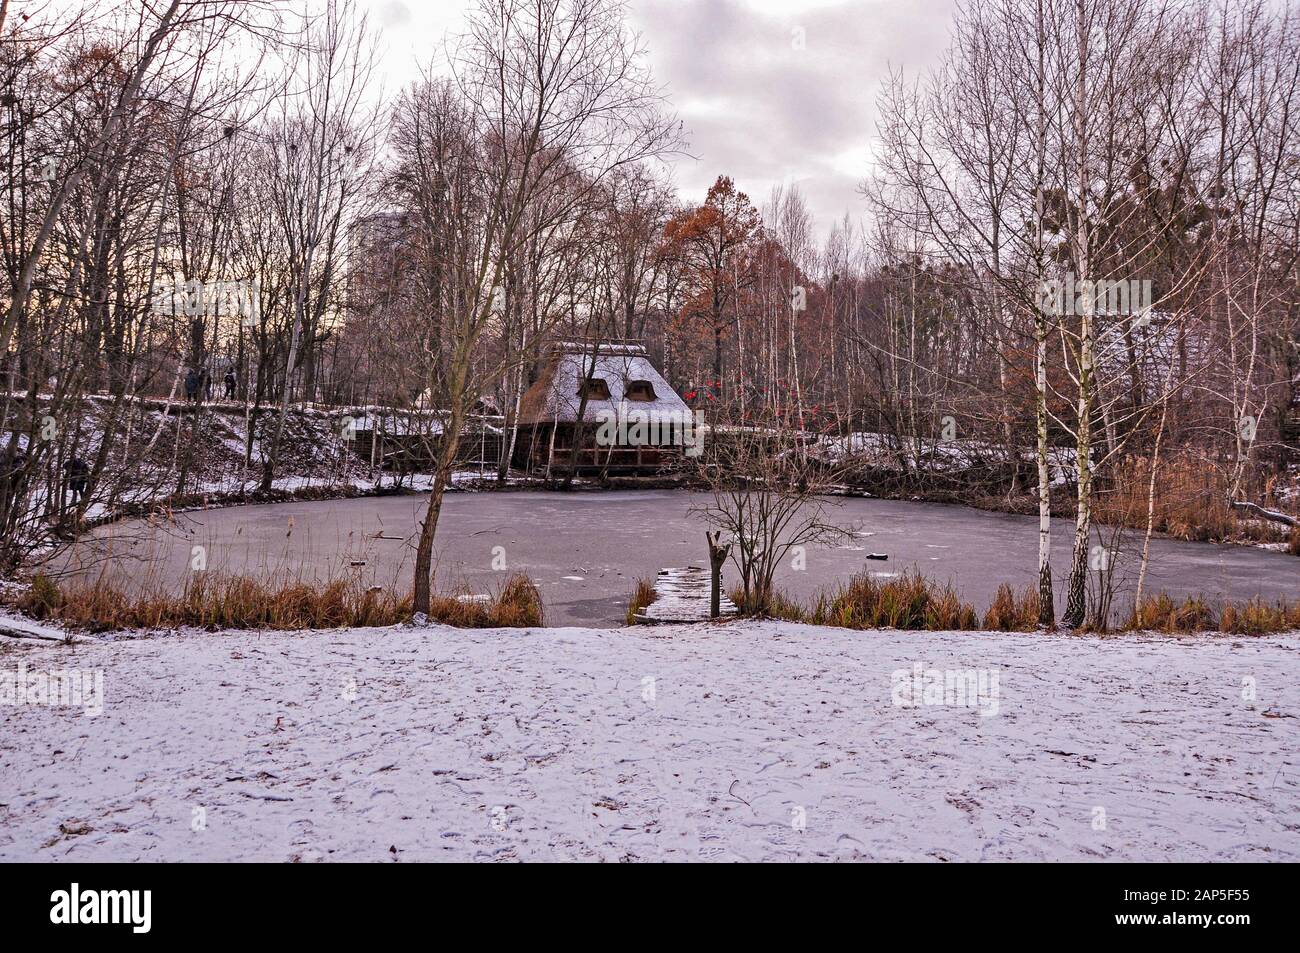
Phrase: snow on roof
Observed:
(555, 397)
(396, 422)
(1156, 345)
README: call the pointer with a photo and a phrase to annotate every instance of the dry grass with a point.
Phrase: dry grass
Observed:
(518, 604)
(1191, 501)
(910, 601)
(1164, 614)
(771, 604)
(43, 599)
(914, 602)
(1007, 613)
(781, 606)
(1257, 617)
(215, 601)
(1194, 614)
(642, 595)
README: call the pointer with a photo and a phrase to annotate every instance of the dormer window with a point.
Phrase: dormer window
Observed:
(594, 388)
(640, 390)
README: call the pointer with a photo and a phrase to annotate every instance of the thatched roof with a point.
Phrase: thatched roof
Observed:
(1154, 345)
(555, 396)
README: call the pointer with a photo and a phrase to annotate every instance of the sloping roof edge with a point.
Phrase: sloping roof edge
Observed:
(554, 397)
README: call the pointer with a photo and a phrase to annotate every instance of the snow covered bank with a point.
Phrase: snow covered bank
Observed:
(746, 741)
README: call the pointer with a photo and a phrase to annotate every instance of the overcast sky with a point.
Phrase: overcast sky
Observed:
(761, 102)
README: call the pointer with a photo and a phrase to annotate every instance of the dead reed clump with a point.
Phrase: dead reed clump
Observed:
(214, 601)
(642, 595)
(1258, 617)
(517, 604)
(1193, 614)
(1009, 613)
(1191, 501)
(1164, 614)
(783, 607)
(910, 601)
(946, 611)
(772, 605)
(43, 599)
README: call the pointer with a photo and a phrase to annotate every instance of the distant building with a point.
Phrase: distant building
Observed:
(632, 421)
(1154, 350)
(377, 256)
(379, 233)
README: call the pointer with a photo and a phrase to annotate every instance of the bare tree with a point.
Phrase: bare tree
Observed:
(767, 499)
(556, 98)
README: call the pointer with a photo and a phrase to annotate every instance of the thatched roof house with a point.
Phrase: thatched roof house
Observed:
(621, 377)
(596, 383)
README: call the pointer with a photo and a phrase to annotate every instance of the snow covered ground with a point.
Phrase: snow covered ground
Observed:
(739, 742)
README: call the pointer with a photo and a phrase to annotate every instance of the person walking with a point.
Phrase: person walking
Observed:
(78, 476)
(11, 472)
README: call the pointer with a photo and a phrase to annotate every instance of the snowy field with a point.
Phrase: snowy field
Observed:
(741, 742)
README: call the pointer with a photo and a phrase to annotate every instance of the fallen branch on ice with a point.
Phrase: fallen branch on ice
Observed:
(1273, 515)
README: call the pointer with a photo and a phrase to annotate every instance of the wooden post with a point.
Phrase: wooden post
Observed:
(717, 556)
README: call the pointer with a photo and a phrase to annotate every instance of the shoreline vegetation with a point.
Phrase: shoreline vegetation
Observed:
(913, 602)
(216, 601)
(1191, 499)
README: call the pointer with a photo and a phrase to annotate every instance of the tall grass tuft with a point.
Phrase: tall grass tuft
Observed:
(43, 599)
(1257, 617)
(914, 602)
(1007, 613)
(779, 606)
(910, 601)
(517, 605)
(1164, 614)
(218, 601)
(1194, 614)
(642, 595)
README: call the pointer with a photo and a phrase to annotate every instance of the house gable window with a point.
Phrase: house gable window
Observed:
(640, 390)
(594, 388)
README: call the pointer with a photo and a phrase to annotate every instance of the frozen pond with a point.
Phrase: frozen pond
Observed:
(586, 549)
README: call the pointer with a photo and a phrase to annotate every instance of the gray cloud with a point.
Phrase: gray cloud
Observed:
(765, 104)
(758, 105)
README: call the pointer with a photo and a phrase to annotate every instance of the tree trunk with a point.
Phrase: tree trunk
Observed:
(442, 478)
(1046, 604)
(424, 550)
(717, 556)
(716, 386)
(1076, 595)
(1046, 596)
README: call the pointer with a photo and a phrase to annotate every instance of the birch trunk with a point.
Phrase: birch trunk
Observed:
(1046, 597)
(1081, 237)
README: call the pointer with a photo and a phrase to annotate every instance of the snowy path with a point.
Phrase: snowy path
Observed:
(553, 744)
